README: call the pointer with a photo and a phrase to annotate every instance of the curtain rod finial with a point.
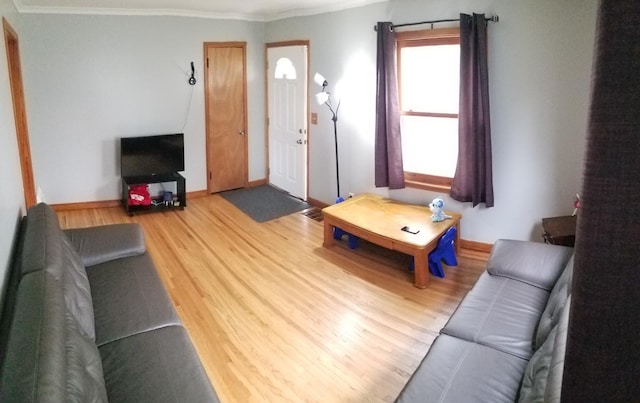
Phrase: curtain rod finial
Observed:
(375, 28)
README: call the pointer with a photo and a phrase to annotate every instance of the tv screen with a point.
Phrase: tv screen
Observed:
(151, 155)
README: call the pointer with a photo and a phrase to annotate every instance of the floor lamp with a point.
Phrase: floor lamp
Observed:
(324, 97)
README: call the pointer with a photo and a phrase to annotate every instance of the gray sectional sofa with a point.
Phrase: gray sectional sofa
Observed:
(506, 340)
(86, 318)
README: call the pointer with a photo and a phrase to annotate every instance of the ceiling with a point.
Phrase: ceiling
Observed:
(252, 10)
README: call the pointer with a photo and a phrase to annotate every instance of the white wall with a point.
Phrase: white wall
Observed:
(93, 79)
(11, 194)
(540, 56)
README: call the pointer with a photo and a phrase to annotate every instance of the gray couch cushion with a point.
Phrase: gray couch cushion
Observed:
(455, 370)
(170, 372)
(556, 369)
(84, 380)
(100, 244)
(534, 263)
(532, 389)
(48, 358)
(77, 291)
(557, 299)
(34, 364)
(501, 313)
(129, 298)
(542, 381)
(48, 249)
(40, 228)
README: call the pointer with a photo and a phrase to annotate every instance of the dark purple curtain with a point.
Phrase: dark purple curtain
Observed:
(473, 180)
(602, 361)
(388, 148)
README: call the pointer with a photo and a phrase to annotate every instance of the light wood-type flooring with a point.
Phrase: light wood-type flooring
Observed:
(275, 317)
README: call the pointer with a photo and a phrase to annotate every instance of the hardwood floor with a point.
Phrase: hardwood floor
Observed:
(276, 317)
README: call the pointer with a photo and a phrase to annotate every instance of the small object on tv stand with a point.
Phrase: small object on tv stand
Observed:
(167, 198)
(174, 201)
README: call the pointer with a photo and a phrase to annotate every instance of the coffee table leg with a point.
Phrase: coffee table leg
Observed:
(328, 234)
(421, 269)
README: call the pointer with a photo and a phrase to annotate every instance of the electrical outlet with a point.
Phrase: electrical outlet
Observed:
(351, 194)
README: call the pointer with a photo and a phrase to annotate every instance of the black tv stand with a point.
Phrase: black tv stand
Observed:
(128, 181)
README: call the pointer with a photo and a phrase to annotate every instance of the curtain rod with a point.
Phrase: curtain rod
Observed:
(493, 18)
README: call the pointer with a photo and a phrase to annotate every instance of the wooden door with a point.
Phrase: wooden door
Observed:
(226, 117)
(20, 113)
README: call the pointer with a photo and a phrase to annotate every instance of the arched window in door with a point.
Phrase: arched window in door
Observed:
(285, 69)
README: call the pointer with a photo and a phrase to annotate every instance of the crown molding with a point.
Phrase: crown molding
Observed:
(138, 12)
(302, 12)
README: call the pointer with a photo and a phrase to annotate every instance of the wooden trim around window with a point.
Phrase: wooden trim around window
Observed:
(421, 34)
(430, 114)
(427, 182)
(426, 37)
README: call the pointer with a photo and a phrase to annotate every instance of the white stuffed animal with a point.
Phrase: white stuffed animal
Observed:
(437, 213)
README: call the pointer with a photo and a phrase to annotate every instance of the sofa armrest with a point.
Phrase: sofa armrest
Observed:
(534, 263)
(103, 243)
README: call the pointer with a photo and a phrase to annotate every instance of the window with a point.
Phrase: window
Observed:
(429, 75)
(285, 69)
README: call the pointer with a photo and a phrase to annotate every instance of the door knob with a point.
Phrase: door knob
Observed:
(241, 132)
(299, 141)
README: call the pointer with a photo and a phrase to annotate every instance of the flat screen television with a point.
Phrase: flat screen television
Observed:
(151, 155)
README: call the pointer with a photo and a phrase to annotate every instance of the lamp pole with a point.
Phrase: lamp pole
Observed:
(324, 97)
(335, 140)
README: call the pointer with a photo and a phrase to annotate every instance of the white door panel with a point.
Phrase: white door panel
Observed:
(287, 95)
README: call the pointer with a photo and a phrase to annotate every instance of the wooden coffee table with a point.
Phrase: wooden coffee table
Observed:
(380, 221)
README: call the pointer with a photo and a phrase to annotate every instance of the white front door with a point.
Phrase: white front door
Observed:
(287, 99)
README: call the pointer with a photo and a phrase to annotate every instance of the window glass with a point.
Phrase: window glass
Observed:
(430, 78)
(285, 69)
(430, 145)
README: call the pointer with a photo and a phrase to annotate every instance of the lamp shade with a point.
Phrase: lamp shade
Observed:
(322, 97)
(320, 80)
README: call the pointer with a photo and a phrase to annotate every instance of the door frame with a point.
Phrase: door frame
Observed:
(232, 44)
(19, 112)
(266, 92)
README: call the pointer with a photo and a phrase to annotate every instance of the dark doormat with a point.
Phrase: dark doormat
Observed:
(264, 203)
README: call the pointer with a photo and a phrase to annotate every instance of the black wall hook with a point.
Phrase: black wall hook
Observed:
(192, 79)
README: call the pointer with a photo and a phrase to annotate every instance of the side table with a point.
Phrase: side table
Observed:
(559, 230)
